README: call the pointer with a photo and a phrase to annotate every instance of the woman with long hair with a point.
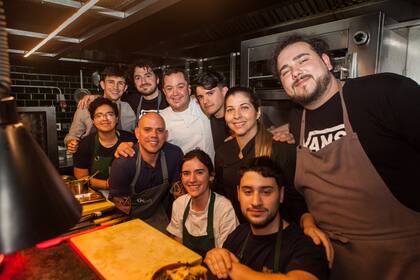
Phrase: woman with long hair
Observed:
(251, 139)
(201, 219)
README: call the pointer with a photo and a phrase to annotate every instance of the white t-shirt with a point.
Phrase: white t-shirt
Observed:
(189, 129)
(224, 219)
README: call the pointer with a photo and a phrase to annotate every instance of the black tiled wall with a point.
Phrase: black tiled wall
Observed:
(28, 87)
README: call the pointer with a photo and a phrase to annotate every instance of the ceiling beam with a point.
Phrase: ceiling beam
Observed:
(30, 34)
(138, 12)
(97, 9)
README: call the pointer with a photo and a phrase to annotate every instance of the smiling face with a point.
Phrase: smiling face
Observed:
(212, 100)
(241, 115)
(114, 87)
(104, 118)
(196, 178)
(177, 91)
(145, 80)
(303, 73)
(260, 198)
(151, 133)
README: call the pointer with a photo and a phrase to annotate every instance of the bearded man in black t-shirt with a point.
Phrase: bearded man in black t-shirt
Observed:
(357, 162)
(267, 244)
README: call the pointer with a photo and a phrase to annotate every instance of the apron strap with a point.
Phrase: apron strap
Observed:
(163, 165)
(347, 126)
(159, 100)
(210, 211)
(277, 246)
(139, 107)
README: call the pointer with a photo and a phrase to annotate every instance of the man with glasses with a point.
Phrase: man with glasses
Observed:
(96, 150)
(113, 83)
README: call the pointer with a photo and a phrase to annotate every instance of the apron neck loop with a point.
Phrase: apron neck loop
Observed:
(347, 125)
(277, 246)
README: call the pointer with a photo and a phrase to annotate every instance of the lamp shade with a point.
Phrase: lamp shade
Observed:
(35, 204)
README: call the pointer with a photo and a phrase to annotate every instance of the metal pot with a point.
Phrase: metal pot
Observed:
(77, 186)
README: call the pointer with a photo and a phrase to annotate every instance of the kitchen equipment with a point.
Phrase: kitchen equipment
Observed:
(131, 250)
(80, 186)
(97, 206)
(355, 48)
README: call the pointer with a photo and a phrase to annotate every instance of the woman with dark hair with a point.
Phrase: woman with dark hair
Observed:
(251, 139)
(201, 219)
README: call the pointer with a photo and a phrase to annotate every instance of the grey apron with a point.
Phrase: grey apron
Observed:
(147, 204)
(373, 234)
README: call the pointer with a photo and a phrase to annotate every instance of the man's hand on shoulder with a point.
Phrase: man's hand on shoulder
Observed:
(282, 134)
(318, 236)
(125, 149)
(219, 261)
(86, 100)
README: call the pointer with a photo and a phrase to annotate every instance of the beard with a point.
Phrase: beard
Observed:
(147, 92)
(262, 224)
(315, 94)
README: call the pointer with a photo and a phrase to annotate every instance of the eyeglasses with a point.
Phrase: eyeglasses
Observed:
(107, 115)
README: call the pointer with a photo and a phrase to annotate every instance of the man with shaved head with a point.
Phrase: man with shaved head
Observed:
(140, 185)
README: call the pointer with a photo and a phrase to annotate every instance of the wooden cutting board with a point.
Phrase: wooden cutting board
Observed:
(96, 206)
(131, 250)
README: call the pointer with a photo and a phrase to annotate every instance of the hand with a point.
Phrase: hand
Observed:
(72, 146)
(86, 100)
(125, 149)
(219, 261)
(318, 237)
(282, 134)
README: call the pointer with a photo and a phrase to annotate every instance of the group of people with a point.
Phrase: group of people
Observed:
(201, 166)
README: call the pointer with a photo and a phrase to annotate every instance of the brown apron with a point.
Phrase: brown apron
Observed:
(373, 234)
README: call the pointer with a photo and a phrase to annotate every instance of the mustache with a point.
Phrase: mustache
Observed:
(300, 78)
(144, 85)
(252, 208)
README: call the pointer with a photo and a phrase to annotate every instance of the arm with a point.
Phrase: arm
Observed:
(124, 149)
(78, 126)
(282, 134)
(80, 173)
(310, 229)
(227, 222)
(223, 263)
(175, 225)
(86, 100)
(242, 272)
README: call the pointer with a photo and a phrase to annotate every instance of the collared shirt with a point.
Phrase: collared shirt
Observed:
(189, 129)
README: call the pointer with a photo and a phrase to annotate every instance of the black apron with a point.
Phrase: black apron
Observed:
(147, 204)
(277, 246)
(200, 244)
(138, 113)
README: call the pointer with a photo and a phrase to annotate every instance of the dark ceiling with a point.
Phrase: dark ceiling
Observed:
(165, 30)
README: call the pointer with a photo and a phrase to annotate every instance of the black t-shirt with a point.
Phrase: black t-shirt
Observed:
(384, 111)
(147, 105)
(85, 153)
(297, 251)
(219, 130)
(228, 163)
